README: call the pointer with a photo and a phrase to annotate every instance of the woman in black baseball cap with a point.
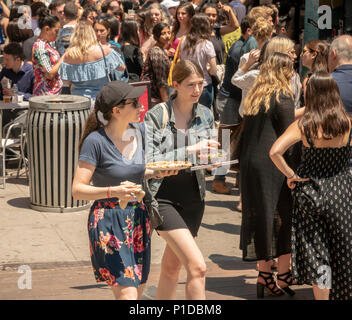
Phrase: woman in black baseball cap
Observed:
(112, 152)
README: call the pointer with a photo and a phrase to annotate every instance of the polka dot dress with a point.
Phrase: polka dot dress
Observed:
(322, 221)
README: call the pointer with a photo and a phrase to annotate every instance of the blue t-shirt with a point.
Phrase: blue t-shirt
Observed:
(343, 78)
(111, 167)
(24, 78)
(249, 44)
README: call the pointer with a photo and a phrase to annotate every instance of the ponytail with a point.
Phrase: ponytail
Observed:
(92, 124)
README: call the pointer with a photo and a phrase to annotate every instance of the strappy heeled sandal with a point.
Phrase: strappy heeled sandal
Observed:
(284, 278)
(273, 266)
(270, 285)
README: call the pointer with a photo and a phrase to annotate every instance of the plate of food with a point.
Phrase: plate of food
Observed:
(217, 156)
(168, 165)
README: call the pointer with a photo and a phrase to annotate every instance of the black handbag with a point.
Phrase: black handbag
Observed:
(236, 140)
(152, 206)
(150, 202)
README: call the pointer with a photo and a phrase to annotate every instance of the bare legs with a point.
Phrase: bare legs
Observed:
(320, 294)
(181, 250)
(128, 293)
(283, 266)
(170, 268)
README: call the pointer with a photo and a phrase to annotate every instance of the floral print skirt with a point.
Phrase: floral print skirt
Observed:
(119, 242)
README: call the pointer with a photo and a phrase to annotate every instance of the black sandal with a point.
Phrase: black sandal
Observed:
(269, 282)
(284, 278)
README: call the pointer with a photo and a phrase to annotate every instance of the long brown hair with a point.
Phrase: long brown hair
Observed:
(321, 48)
(274, 78)
(93, 123)
(188, 7)
(324, 108)
(200, 31)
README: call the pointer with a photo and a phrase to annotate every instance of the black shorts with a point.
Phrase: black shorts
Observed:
(181, 215)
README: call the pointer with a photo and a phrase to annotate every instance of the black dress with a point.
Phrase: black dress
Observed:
(266, 199)
(322, 220)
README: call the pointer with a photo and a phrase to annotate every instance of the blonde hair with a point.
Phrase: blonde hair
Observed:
(262, 29)
(257, 12)
(274, 78)
(278, 44)
(148, 24)
(82, 39)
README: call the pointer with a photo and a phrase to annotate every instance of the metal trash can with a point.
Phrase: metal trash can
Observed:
(54, 128)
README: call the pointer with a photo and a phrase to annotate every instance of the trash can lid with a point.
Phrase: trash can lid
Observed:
(62, 102)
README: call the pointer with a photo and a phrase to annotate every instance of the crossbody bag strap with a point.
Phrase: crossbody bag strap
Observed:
(178, 49)
(165, 115)
(106, 66)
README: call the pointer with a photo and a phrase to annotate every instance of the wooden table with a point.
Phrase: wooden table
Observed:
(9, 106)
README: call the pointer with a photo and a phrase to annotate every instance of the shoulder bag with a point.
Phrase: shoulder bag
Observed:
(176, 59)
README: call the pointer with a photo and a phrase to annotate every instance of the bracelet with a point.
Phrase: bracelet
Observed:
(291, 176)
(108, 192)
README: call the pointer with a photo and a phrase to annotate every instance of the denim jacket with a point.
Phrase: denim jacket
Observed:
(63, 39)
(160, 141)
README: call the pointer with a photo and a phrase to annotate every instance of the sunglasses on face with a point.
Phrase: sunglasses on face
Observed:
(136, 104)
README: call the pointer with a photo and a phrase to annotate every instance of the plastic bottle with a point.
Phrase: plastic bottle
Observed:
(5, 83)
(14, 93)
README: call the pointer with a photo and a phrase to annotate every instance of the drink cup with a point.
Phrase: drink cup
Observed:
(7, 99)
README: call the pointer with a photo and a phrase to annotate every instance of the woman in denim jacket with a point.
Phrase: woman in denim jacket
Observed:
(181, 129)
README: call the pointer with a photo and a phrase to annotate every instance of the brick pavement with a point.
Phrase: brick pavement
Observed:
(55, 246)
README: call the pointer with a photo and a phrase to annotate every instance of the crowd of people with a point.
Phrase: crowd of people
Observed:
(212, 65)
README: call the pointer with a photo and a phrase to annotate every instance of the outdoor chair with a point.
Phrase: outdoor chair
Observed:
(14, 140)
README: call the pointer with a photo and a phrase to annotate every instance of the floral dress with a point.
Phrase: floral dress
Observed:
(119, 242)
(119, 239)
(44, 57)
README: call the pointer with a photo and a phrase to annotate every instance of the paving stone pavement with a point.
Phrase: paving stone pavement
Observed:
(55, 247)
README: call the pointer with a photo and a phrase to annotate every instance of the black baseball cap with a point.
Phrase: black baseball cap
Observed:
(112, 93)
